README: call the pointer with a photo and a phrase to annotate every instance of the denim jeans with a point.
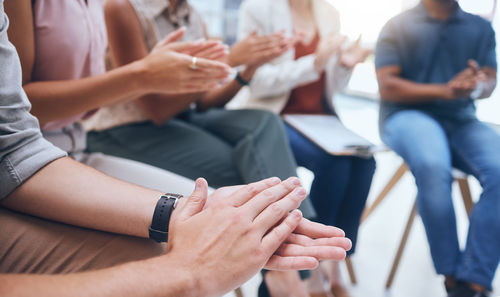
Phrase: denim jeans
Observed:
(341, 183)
(431, 146)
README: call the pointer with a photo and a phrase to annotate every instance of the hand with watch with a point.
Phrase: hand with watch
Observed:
(222, 240)
(161, 216)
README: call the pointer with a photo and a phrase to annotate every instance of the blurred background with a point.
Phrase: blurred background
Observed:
(358, 108)
(358, 17)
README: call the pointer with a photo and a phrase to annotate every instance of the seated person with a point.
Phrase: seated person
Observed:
(304, 81)
(59, 217)
(166, 130)
(433, 61)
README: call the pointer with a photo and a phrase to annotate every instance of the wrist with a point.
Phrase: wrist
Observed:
(138, 72)
(247, 73)
(446, 92)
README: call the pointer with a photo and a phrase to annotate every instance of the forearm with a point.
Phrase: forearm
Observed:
(69, 192)
(160, 108)
(220, 96)
(55, 100)
(399, 90)
(138, 279)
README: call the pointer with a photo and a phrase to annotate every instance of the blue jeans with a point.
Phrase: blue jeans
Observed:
(431, 146)
(341, 183)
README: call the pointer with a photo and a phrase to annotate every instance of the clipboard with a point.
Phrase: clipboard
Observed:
(330, 134)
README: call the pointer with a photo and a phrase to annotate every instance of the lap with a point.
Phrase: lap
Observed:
(418, 138)
(176, 146)
(34, 245)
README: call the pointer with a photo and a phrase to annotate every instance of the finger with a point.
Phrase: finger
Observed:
(273, 194)
(277, 235)
(340, 242)
(172, 37)
(473, 65)
(196, 201)
(277, 262)
(249, 191)
(212, 67)
(318, 252)
(317, 230)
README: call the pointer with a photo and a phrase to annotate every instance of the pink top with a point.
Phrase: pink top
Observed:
(70, 43)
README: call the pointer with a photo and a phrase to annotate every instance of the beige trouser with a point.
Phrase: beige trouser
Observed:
(33, 245)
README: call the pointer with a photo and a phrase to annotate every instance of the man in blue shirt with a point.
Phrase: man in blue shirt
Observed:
(432, 62)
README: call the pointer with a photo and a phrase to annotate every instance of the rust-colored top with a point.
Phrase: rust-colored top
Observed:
(307, 99)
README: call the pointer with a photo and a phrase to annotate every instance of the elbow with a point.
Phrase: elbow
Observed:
(387, 91)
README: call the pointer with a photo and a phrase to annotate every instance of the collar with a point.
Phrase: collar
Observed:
(156, 8)
(458, 15)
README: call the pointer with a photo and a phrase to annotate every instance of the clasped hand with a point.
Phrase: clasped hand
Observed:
(236, 231)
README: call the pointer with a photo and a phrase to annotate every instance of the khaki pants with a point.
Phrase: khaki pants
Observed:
(33, 245)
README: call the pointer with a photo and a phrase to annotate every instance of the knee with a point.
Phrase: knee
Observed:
(432, 168)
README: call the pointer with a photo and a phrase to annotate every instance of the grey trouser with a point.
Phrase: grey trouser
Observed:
(227, 147)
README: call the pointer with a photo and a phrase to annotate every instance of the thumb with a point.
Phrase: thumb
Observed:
(253, 33)
(197, 200)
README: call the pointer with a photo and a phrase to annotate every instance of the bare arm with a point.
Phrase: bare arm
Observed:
(69, 192)
(163, 71)
(243, 232)
(396, 89)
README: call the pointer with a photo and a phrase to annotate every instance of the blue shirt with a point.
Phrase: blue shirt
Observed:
(434, 51)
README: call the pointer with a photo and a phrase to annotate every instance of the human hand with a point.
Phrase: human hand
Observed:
(308, 239)
(208, 49)
(169, 72)
(465, 82)
(327, 47)
(228, 242)
(354, 54)
(257, 50)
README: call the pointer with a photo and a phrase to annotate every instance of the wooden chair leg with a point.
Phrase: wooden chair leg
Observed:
(238, 292)
(385, 191)
(463, 183)
(402, 246)
(350, 270)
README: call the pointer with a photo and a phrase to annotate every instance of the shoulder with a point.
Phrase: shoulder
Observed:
(478, 21)
(118, 9)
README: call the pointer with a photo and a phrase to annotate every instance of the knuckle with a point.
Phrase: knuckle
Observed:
(251, 189)
(277, 210)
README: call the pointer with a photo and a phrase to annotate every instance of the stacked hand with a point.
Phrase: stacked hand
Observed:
(167, 69)
(257, 50)
(240, 230)
(354, 54)
(465, 82)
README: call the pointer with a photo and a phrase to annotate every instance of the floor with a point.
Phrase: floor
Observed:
(380, 234)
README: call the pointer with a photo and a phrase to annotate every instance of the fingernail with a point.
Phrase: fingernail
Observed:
(198, 184)
(300, 191)
(274, 180)
(295, 181)
(297, 213)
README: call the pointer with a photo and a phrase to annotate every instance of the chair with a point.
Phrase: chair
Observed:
(462, 180)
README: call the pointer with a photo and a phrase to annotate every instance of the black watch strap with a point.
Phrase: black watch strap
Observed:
(161, 217)
(241, 80)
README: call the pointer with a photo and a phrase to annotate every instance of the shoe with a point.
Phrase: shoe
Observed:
(463, 290)
(451, 285)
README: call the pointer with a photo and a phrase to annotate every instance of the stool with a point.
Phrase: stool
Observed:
(462, 180)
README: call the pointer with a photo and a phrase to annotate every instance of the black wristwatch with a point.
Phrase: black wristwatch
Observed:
(241, 80)
(161, 217)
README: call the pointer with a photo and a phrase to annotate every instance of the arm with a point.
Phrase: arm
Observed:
(204, 241)
(396, 89)
(160, 72)
(79, 195)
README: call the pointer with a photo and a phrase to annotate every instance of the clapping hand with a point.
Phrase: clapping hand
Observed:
(465, 82)
(354, 54)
